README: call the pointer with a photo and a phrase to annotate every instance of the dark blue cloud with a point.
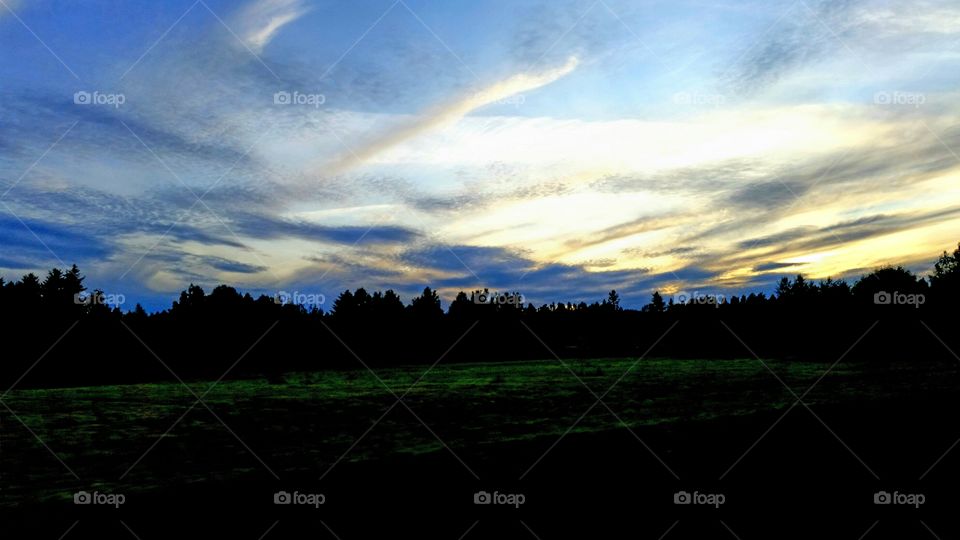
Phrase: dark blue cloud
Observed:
(767, 267)
(189, 233)
(104, 215)
(101, 128)
(227, 265)
(17, 263)
(480, 260)
(503, 269)
(27, 238)
(268, 227)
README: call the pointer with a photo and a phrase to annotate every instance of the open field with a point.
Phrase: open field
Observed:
(298, 429)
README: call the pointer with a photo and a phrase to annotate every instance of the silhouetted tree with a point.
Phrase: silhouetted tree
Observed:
(656, 304)
(872, 287)
(945, 281)
(427, 305)
(345, 306)
(613, 300)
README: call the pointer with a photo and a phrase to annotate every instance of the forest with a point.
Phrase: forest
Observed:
(59, 333)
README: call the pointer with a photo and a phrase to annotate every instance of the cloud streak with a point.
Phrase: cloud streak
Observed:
(259, 22)
(449, 113)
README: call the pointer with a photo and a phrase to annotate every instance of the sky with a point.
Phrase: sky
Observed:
(557, 148)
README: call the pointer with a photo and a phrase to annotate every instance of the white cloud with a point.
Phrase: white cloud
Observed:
(451, 112)
(258, 23)
(922, 18)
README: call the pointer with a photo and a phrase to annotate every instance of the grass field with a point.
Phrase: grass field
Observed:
(305, 424)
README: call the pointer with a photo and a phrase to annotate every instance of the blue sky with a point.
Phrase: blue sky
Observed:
(557, 148)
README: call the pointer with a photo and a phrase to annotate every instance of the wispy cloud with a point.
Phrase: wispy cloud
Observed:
(802, 34)
(259, 22)
(450, 112)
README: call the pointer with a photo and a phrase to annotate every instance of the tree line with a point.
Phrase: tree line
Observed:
(57, 332)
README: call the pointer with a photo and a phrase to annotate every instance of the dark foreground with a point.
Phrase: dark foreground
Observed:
(784, 471)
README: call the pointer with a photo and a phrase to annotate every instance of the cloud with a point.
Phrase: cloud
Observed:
(227, 265)
(771, 266)
(752, 195)
(633, 227)
(818, 238)
(36, 244)
(546, 31)
(37, 118)
(451, 268)
(802, 34)
(684, 250)
(468, 259)
(258, 23)
(270, 227)
(462, 267)
(918, 17)
(451, 112)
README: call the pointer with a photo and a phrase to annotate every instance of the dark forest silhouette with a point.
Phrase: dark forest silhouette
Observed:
(58, 334)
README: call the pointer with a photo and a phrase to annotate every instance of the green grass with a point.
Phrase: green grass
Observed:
(307, 422)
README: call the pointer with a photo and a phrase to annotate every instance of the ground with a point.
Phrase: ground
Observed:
(526, 427)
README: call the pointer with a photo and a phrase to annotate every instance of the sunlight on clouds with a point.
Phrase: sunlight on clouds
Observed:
(909, 244)
(632, 148)
(349, 215)
(910, 247)
(614, 251)
(810, 258)
(625, 146)
(576, 153)
(544, 223)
